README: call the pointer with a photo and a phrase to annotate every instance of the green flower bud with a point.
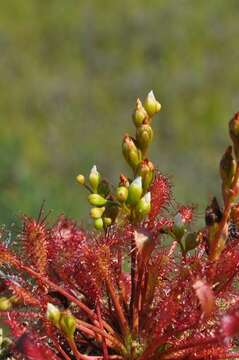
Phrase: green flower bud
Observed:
(81, 179)
(227, 167)
(99, 224)
(53, 314)
(96, 200)
(5, 303)
(135, 191)
(107, 221)
(68, 324)
(121, 193)
(151, 105)
(94, 178)
(131, 153)
(146, 171)
(144, 136)
(139, 114)
(97, 212)
(143, 207)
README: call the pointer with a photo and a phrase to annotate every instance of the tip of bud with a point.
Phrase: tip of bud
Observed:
(147, 197)
(137, 181)
(94, 170)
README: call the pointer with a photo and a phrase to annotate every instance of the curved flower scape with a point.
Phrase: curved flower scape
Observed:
(144, 284)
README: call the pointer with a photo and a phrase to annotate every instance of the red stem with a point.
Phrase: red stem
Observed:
(104, 346)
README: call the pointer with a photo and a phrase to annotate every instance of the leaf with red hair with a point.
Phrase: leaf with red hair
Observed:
(35, 238)
(160, 194)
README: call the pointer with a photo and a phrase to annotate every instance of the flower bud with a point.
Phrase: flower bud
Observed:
(135, 191)
(94, 178)
(97, 212)
(68, 324)
(151, 105)
(146, 171)
(107, 221)
(227, 167)
(143, 207)
(139, 114)
(53, 314)
(5, 303)
(144, 136)
(96, 200)
(131, 153)
(121, 193)
(99, 224)
(234, 133)
(81, 179)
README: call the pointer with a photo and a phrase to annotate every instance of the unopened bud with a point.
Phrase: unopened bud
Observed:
(140, 114)
(151, 105)
(146, 171)
(94, 178)
(143, 207)
(53, 314)
(96, 200)
(81, 179)
(121, 193)
(234, 133)
(5, 303)
(131, 153)
(99, 224)
(144, 136)
(135, 191)
(227, 167)
(97, 212)
(107, 221)
(68, 324)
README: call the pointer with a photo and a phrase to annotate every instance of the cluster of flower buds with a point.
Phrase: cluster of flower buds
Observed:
(98, 198)
(131, 198)
(63, 320)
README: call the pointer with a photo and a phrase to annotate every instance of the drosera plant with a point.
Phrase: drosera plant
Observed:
(145, 284)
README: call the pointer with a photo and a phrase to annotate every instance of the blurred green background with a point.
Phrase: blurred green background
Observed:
(70, 72)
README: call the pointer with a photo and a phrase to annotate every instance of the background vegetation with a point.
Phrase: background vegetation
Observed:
(70, 72)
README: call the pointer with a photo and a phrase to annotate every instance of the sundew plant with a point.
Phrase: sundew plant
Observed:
(145, 283)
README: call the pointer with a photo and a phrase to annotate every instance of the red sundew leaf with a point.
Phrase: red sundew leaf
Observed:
(160, 194)
(33, 349)
(35, 238)
(205, 296)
